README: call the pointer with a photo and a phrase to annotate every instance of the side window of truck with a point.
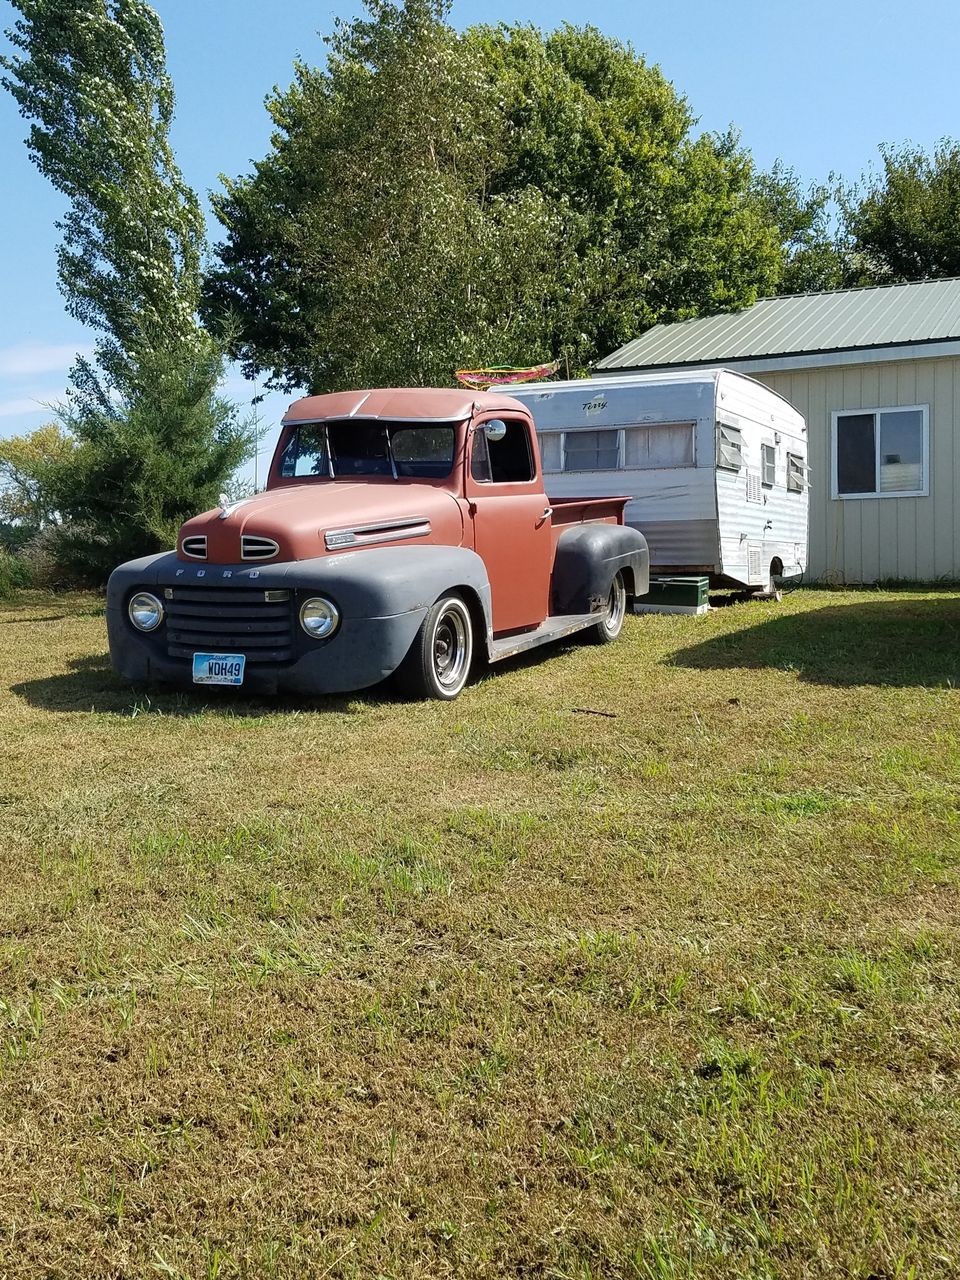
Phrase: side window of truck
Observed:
(506, 461)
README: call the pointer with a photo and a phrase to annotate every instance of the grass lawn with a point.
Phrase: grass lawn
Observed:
(499, 988)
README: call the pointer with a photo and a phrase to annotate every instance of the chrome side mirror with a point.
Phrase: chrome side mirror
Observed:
(495, 429)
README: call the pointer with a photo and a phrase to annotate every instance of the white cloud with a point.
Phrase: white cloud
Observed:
(26, 359)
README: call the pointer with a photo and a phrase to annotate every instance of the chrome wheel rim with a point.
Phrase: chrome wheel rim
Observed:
(616, 606)
(450, 649)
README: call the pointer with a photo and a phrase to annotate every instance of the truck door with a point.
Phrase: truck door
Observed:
(511, 525)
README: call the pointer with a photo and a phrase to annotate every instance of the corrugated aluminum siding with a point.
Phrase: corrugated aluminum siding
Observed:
(870, 539)
(927, 311)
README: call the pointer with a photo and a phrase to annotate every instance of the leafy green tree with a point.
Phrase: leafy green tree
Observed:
(90, 76)
(813, 244)
(904, 222)
(434, 199)
(142, 466)
(29, 465)
(371, 228)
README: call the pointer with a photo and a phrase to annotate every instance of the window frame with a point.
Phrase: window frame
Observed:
(804, 484)
(564, 435)
(526, 427)
(688, 425)
(766, 449)
(613, 431)
(726, 466)
(922, 492)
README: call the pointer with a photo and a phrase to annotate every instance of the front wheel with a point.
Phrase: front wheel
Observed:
(611, 624)
(440, 657)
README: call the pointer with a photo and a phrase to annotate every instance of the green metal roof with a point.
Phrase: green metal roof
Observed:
(806, 323)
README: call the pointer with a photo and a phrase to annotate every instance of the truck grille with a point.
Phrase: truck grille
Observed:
(195, 547)
(229, 620)
(253, 547)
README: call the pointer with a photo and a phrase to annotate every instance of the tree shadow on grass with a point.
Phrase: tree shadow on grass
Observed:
(93, 685)
(899, 642)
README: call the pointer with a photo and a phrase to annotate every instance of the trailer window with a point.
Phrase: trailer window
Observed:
(768, 465)
(664, 445)
(729, 447)
(550, 454)
(591, 450)
(796, 473)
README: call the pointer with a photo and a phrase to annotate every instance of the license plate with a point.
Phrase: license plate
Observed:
(218, 668)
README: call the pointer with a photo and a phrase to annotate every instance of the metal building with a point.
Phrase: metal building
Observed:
(876, 374)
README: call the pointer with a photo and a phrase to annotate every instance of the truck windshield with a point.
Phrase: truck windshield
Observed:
(355, 448)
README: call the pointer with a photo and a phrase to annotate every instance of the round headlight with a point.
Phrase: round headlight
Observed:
(319, 618)
(145, 610)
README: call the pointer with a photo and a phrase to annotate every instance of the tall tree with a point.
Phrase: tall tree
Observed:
(362, 249)
(434, 198)
(814, 246)
(904, 222)
(90, 76)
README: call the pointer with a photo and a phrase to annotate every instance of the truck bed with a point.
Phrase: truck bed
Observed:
(603, 510)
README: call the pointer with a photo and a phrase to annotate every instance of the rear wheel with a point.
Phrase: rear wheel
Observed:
(611, 624)
(440, 657)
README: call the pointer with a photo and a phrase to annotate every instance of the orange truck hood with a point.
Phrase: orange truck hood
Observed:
(326, 517)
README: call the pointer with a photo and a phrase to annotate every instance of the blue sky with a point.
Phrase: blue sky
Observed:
(818, 86)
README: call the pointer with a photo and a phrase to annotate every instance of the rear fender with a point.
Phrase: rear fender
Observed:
(588, 558)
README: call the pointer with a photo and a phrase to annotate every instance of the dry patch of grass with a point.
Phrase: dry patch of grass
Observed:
(368, 989)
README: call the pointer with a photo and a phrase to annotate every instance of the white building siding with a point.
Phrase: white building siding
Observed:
(871, 539)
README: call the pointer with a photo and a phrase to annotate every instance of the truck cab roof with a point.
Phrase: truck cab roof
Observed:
(421, 404)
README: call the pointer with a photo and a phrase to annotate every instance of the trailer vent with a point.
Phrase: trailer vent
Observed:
(195, 547)
(754, 562)
(229, 620)
(253, 547)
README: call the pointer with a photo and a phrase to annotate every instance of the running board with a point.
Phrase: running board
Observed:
(563, 624)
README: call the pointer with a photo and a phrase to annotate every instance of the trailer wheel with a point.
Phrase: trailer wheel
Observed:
(612, 623)
(440, 657)
(774, 585)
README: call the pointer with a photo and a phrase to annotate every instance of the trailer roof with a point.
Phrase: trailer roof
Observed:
(922, 312)
(398, 403)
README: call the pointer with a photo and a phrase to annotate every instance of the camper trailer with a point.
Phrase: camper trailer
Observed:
(715, 463)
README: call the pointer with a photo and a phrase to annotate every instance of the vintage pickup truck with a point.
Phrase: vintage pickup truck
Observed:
(402, 532)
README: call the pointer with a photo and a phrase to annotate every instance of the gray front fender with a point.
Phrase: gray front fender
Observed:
(383, 595)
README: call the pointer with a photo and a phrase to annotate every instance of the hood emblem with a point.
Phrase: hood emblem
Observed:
(227, 508)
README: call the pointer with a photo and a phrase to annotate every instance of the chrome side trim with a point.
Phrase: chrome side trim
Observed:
(367, 535)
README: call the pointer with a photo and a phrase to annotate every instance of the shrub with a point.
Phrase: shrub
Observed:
(14, 574)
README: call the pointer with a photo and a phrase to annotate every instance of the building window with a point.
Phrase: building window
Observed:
(591, 450)
(729, 447)
(881, 453)
(768, 465)
(658, 447)
(796, 473)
